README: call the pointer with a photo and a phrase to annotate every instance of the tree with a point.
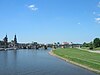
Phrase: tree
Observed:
(85, 44)
(58, 44)
(96, 42)
(91, 46)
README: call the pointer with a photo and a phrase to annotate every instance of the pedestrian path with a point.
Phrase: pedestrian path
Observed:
(94, 51)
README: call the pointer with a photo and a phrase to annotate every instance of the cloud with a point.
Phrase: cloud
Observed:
(32, 7)
(98, 5)
(97, 20)
(97, 14)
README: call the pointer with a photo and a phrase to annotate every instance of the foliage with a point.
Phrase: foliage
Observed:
(96, 42)
(85, 44)
(91, 46)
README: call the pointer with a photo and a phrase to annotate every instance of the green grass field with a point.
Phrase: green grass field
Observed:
(85, 48)
(97, 48)
(86, 58)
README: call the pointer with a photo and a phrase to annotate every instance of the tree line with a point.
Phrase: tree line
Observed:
(93, 44)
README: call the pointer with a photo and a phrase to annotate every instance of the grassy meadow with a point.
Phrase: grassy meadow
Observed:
(85, 58)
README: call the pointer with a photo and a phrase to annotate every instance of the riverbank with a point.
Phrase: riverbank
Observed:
(85, 59)
(4, 49)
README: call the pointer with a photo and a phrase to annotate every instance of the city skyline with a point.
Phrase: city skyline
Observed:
(50, 21)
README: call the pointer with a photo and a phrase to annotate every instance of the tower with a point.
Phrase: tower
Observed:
(5, 41)
(15, 40)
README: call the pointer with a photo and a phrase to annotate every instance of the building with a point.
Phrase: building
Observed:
(15, 40)
(5, 40)
(65, 44)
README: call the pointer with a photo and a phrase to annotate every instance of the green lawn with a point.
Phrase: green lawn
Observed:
(86, 58)
(85, 48)
(97, 48)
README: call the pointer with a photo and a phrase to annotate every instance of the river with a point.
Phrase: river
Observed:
(36, 62)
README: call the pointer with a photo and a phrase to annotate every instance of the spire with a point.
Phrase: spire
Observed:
(6, 35)
(5, 40)
(15, 39)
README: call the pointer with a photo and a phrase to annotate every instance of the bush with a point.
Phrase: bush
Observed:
(91, 48)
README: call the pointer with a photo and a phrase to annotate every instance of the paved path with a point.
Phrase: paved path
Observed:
(94, 51)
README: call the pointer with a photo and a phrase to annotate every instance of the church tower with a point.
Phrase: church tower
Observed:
(5, 41)
(15, 40)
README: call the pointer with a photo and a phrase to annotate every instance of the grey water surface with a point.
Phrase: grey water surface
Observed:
(36, 62)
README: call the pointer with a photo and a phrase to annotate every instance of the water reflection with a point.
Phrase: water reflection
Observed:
(3, 58)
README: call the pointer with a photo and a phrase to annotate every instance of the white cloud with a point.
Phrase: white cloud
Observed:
(97, 20)
(32, 7)
(98, 5)
(97, 14)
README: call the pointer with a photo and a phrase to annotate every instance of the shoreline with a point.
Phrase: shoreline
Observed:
(5, 49)
(72, 62)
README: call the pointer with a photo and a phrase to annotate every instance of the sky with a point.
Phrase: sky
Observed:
(48, 21)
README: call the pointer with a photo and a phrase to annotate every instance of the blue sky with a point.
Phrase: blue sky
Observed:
(48, 21)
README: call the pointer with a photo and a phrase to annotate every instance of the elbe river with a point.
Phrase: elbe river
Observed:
(36, 62)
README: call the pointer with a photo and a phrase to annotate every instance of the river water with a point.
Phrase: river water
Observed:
(36, 62)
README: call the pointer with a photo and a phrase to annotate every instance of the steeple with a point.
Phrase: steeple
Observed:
(6, 35)
(5, 40)
(15, 39)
